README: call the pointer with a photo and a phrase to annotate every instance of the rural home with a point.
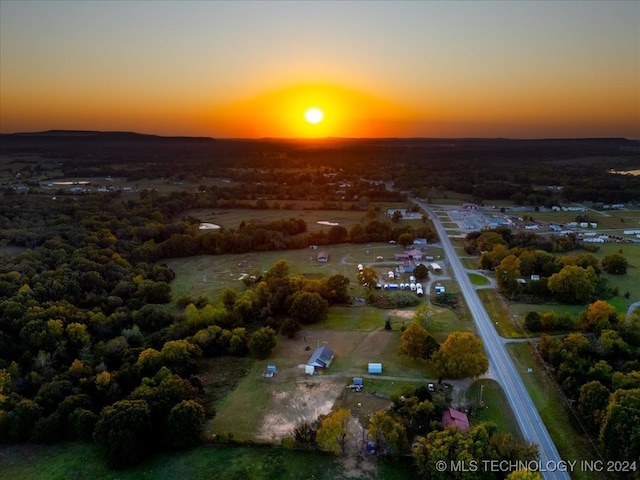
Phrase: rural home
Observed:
(455, 419)
(321, 358)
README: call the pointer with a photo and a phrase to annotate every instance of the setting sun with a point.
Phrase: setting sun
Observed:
(314, 115)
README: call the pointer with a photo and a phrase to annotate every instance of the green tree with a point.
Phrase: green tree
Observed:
(405, 239)
(620, 431)
(487, 240)
(123, 430)
(573, 284)
(338, 234)
(413, 341)
(599, 316)
(185, 424)
(336, 289)
(368, 277)
(332, 434)
(308, 308)
(389, 432)
(461, 355)
(507, 275)
(421, 272)
(615, 264)
(262, 341)
(279, 270)
(592, 403)
(396, 217)
(524, 474)
(180, 356)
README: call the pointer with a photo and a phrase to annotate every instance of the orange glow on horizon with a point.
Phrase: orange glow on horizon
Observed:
(284, 113)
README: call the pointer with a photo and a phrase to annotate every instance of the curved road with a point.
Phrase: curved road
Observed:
(501, 365)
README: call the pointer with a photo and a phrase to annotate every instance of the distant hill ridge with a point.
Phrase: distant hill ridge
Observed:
(100, 135)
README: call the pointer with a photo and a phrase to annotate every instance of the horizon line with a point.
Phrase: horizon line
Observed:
(130, 132)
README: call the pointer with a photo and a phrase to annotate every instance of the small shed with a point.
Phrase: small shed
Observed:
(270, 371)
(357, 384)
(323, 256)
(375, 368)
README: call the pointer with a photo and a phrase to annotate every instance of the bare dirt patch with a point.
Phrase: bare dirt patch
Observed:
(305, 402)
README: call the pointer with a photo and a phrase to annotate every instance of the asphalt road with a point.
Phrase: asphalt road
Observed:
(502, 368)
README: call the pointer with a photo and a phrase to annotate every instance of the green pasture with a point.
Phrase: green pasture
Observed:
(210, 274)
(241, 411)
(233, 217)
(348, 318)
(630, 282)
(445, 321)
(80, 461)
(553, 408)
(494, 407)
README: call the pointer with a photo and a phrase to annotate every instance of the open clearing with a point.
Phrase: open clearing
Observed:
(269, 408)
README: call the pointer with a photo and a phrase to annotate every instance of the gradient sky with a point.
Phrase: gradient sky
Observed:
(392, 69)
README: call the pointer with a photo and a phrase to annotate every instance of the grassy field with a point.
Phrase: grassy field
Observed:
(209, 275)
(478, 280)
(571, 444)
(305, 210)
(71, 461)
(470, 263)
(497, 311)
(494, 408)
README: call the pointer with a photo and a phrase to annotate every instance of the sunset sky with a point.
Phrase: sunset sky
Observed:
(375, 69)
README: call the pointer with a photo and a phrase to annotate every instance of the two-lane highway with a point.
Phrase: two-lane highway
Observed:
(502, 368)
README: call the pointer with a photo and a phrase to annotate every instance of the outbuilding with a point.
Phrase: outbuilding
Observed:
(375, 368)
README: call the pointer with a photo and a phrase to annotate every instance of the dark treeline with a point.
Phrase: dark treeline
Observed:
(520, 170)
